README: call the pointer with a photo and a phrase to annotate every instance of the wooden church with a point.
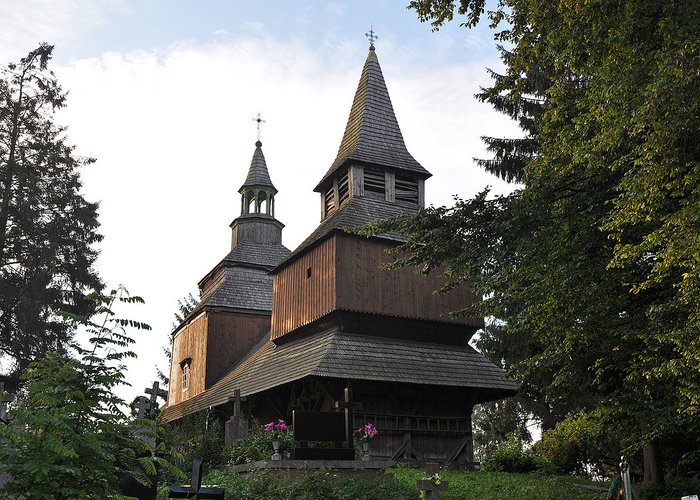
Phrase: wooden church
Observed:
(293, 330)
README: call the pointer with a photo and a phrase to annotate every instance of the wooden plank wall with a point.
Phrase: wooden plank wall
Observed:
(230, 336)
(298, 299)
(363, 287)
(190, 342)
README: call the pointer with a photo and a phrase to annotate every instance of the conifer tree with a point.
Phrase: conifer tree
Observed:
(47, 229)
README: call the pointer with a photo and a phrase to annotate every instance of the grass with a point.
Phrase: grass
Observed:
(396, 484)
(504, 485)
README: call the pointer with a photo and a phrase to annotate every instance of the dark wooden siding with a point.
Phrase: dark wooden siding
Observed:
(231, 335)
(299, 299)
(190, 342)
(363, 286)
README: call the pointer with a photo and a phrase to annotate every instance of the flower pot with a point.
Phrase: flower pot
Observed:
(365, 451)
(276, 446)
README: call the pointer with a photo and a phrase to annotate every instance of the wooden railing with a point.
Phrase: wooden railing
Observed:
(414, 423)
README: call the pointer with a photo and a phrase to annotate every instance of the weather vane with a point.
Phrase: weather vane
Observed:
(371, 36)
(259, 120)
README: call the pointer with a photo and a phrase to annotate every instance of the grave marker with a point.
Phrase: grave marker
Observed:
(236, 426)
(155, 391)
(431, 488)
(194, 490)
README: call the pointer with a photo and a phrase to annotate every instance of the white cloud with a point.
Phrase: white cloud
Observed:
(26, 23)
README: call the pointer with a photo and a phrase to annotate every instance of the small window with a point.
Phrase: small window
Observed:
(308, 272)
(185, 367)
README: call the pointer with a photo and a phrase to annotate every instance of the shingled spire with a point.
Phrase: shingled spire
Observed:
(258, 191)
(372, 135)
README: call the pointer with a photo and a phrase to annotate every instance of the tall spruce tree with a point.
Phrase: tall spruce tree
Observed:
(47, 229)
(594, 259)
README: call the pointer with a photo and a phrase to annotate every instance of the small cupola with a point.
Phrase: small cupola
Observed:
(258, 192)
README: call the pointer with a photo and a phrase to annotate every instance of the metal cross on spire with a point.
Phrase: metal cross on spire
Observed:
(371, 36)
(259, 120)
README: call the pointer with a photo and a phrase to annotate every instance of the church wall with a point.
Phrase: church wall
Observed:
(190, 342)
(363, 286)
(231, 335)
(304, 290)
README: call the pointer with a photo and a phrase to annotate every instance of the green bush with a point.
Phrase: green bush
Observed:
(258, 446)
(579, 445)
(512, 457)
(509, 460)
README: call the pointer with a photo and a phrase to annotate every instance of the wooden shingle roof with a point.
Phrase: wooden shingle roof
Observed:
(372, 134)
(357, 212)
(339, 354)
(258, 175)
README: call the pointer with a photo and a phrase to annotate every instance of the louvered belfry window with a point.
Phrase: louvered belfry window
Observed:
(329, 200)
(375, 184)
(406, 190)
(343, 188)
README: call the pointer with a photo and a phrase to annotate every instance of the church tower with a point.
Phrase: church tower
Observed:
(337, 276)
(236, 295)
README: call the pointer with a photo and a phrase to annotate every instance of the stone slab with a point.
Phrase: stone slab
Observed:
(314, 464)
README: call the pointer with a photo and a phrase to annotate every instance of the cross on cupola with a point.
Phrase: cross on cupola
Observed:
(258, 193)
(259, 120)
(371, 36)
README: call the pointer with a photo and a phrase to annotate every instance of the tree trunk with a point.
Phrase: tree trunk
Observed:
(653, 468)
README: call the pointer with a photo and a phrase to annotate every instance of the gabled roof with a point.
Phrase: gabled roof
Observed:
(358, 211)
(372, 134)
(339, 354)
(257, 173)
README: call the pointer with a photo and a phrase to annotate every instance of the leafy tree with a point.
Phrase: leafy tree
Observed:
(593, 260)
(47, 229)
(69, 437)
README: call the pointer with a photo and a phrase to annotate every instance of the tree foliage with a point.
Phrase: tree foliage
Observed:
(69, 437)
(594, 260)
(47, 229)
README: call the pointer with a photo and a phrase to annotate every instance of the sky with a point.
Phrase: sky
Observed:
(162, 93)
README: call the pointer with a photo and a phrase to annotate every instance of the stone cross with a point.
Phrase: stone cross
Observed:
(6, 398)
(194, 490)
(155, 391)
(237, 399)
(432, 490)
(142, 405)
(237, 427)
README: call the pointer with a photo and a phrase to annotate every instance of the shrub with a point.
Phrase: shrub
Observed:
(578, 445)
(512, 457)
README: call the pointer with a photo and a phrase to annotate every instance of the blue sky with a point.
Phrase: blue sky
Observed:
(162, 94)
